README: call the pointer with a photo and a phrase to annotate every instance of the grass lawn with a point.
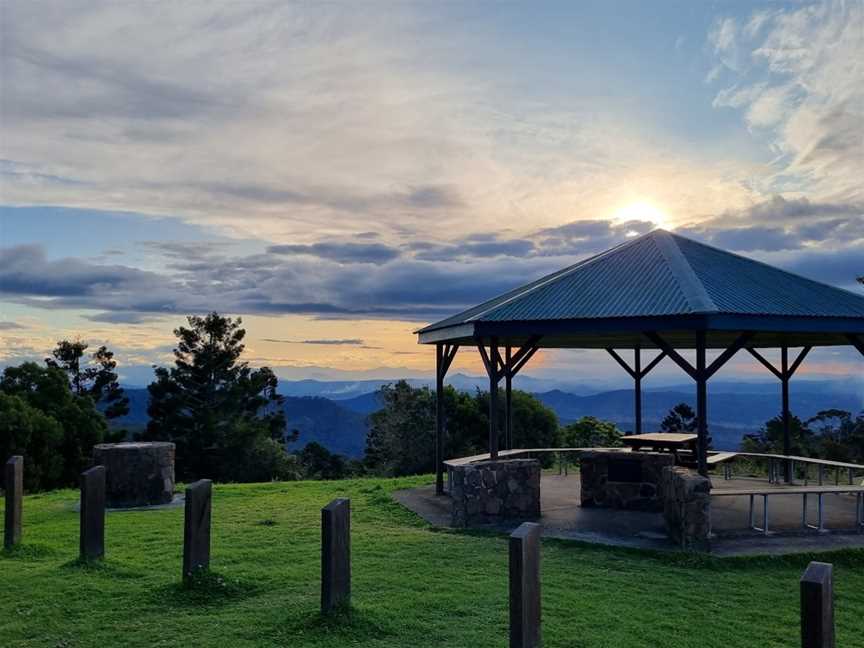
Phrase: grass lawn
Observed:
(413, 586)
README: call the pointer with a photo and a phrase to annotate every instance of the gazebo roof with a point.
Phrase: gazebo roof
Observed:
(661, 282)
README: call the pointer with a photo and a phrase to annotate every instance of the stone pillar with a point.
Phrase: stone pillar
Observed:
(335, 555)
(92, 531)
(490, 491)
(686, 498)
(525, 586)
(196, 527)
(817, 606)
(14, 485)
(138, 474)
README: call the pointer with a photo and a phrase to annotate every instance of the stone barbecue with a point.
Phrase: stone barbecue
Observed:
(623, 480)
(490, 491)
(137, 474)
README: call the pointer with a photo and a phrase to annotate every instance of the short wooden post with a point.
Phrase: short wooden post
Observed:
(525, 586)
(14, 485)
(335, 555)
(817, 606)
(92, 526)
(196, 528)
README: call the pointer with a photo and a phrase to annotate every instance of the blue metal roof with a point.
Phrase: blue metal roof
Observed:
(661, 274)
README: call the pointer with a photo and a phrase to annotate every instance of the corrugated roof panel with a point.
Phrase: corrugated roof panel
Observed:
(740, 285)
(633, 281)
(664, 274)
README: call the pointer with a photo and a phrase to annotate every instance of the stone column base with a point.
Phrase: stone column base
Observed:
(687, 508)
(490, 491)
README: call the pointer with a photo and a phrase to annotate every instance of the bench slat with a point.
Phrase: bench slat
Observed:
(794, 490)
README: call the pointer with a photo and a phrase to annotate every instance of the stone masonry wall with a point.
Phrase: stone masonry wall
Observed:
(136, 474)
(623, 480)
(687, 508)
(491, 491)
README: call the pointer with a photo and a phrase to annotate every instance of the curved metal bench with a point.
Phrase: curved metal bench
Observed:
(805, 491)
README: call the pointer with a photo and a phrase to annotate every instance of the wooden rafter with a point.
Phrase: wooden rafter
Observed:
(641, 373)
(676, 357)
(724, 357)
(782, 373)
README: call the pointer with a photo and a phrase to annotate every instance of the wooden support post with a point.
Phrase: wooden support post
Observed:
(494, 377)
(785, 415)
(525, 586)
(439, 419)
(335, 555)
(14, 486)
(508, 400)
(637, 390)
(91, 542)
(817, 606)
(196, 527)
(701, 404)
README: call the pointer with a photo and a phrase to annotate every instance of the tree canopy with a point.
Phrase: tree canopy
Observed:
(680, 418)
(590, 432)
(831, 434)
(95, 377)
(54, 428)
(402, 434)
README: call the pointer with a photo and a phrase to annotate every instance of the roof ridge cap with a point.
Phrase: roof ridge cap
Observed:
(689, 283)
(558, 275)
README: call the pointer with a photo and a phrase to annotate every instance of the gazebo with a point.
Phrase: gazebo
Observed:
(659, 291)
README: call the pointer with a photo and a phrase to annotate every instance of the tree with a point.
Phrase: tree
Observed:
(838, 435)
(27, 431)
(590, 432)
(225, 417)
(47, 389)
(401, 435)
(769, 438)
(318, 462)
(97, 378)
(680, 418)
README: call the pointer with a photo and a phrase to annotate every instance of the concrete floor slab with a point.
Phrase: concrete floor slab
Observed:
(562, 517)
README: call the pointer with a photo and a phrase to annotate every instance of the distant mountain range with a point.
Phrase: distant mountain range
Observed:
(339, 428)
(334, 413)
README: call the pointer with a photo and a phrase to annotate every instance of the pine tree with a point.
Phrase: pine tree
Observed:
(225, 417)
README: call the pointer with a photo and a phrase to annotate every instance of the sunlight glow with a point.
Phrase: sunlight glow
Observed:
(644, 211)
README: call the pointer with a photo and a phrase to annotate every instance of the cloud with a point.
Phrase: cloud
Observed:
(783, 224)
(265, 284)
(342, 252)
(122, 317)
(9, 326)
(273, 120)
(796, 82)
(346, 342)
(25, 270)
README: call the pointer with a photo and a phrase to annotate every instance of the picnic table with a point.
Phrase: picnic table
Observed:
(662, 441)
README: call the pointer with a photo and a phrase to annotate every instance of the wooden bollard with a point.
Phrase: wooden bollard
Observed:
(335, 555)
(525, 586)
(817, 606)
(196, 528)
(92, 531)
(14, 484)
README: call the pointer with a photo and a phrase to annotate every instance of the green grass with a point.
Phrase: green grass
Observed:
(413, 586)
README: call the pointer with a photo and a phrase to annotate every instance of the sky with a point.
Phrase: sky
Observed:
(339, 174)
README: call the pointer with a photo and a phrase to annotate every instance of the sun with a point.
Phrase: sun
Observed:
(642, 211)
